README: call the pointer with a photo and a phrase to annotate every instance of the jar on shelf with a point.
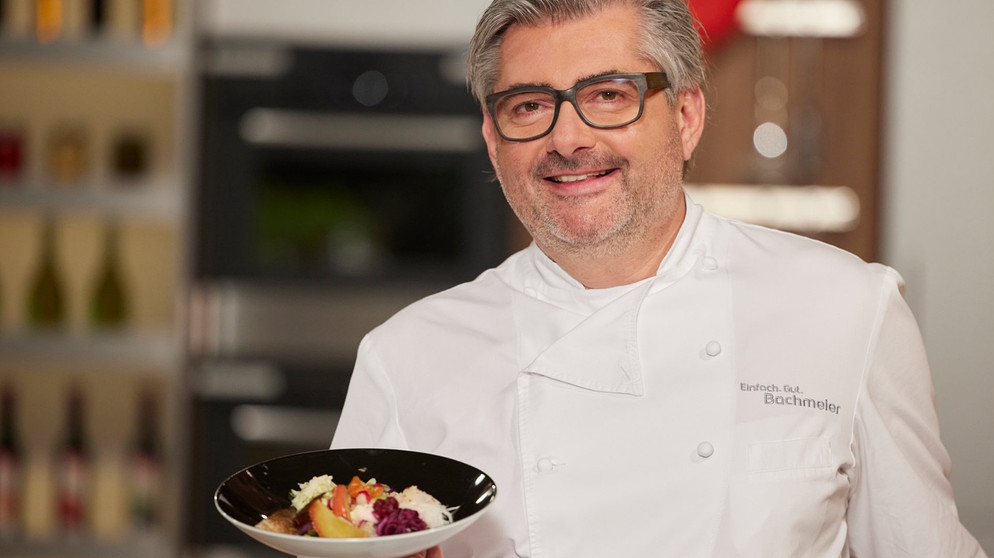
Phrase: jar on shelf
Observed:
(130, 155)
(11, 152)
(68, 154)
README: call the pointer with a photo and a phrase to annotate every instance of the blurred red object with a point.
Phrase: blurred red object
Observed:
(715, 20)
(11, 153)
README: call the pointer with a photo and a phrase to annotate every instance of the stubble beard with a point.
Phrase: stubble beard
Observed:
(578, 225)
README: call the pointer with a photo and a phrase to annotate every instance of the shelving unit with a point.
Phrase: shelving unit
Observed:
(101, 53)
(105, 87)
(155, 353)
(152, 202)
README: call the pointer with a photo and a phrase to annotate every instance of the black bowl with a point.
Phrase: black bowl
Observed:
(255, 492)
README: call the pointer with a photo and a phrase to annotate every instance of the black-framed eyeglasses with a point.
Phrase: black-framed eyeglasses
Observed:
(608, 101)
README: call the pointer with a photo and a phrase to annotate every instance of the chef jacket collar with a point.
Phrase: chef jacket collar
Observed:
(545, 280)
(589, 337)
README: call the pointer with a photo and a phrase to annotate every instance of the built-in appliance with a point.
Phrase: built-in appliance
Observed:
(343, 165)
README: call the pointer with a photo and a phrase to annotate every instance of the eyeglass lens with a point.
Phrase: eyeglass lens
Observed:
(607, 103)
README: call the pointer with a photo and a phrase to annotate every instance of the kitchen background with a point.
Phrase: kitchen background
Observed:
(203, 208)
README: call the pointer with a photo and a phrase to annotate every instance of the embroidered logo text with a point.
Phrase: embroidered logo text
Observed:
(789, 395)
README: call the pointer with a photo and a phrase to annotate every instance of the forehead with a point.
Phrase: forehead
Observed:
(559, 54)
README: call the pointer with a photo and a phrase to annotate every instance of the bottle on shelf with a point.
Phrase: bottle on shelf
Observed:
(122, 20)
(10, 466)
(73, 469)
(49, 20)
(75, 19)
(17, 19)
(157, 21)
(46, 306)
(146, 467)
(109, 301)
(97, 17)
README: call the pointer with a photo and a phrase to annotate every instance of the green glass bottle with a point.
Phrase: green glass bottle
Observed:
(109, 301)
(46, 307)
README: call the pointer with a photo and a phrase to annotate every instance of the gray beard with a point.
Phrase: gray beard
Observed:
(590, 236)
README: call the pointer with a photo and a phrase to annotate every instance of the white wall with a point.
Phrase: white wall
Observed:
(414, 23)
(939, 220)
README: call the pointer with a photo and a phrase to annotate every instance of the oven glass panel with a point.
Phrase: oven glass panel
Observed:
(357, 220)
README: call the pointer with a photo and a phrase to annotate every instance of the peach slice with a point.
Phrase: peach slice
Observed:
(327, 524)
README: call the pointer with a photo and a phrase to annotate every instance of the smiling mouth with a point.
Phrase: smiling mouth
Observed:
(568, 178)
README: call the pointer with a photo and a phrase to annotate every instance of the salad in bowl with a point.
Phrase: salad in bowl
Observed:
(321, 507)
(373, 503)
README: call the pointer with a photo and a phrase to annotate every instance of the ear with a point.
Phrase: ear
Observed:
(490, 137)
(691, 110)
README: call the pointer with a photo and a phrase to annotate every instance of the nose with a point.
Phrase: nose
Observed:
(569, 133)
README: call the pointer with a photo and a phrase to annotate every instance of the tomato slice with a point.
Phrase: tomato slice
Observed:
(356, 486)
(340, 501)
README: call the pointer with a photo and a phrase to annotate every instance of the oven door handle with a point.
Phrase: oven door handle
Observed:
(274, 424)
(238, 380)
(365, 132)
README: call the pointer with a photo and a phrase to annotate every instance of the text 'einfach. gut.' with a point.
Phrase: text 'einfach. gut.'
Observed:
(789, 395)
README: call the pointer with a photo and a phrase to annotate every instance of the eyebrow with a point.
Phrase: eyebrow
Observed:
(548, 85)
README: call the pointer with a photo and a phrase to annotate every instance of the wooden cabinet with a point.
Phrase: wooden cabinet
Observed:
(825, 93)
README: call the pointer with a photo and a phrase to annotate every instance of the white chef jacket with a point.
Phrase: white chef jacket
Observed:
(764, 395)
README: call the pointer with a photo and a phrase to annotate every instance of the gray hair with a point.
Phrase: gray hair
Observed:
(669, 38)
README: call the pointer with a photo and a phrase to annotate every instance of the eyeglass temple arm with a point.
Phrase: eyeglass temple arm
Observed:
(657, 80)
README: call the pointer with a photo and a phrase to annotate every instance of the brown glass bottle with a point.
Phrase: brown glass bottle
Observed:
(49, 18)
(97, 17)
(10, 466)
(146, 467)
(72, 472)
(157, 21)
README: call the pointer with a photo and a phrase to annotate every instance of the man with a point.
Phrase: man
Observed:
(648, 379)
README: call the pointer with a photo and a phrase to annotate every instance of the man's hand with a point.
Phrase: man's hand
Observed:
(434, 552)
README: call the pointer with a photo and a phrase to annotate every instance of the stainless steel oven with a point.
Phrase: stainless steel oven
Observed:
(343, 166)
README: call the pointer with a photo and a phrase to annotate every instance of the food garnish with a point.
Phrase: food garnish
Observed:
(323, 508)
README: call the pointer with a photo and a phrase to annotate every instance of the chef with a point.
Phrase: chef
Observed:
(647, 379)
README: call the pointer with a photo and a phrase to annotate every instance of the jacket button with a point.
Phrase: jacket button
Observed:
(545, 465)
(712, 349)
(705, 449)
(709, 263)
